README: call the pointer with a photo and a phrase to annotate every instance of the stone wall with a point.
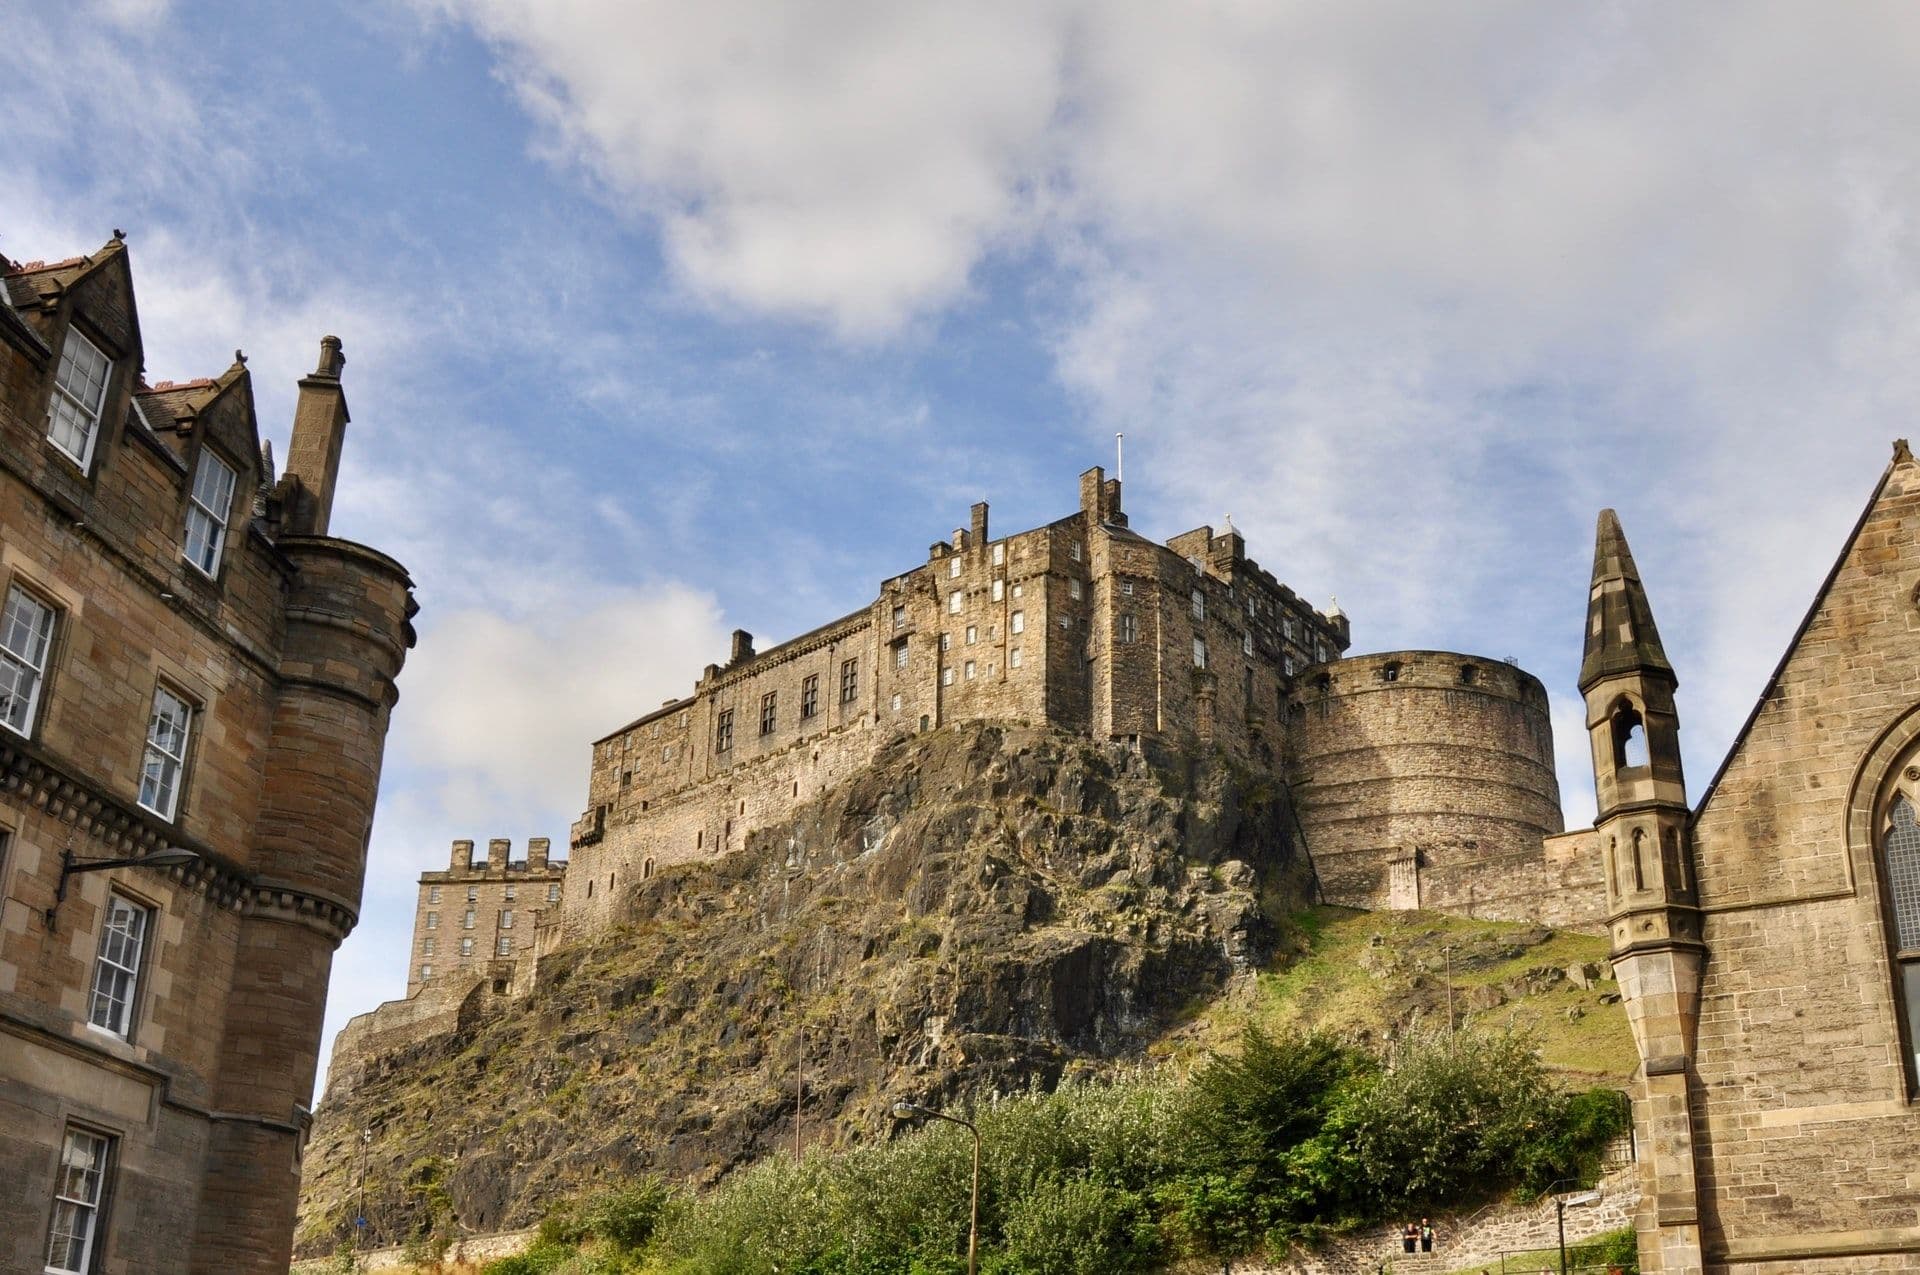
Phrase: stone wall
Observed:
(1080, 624)
(478, 919)
(1425, 779)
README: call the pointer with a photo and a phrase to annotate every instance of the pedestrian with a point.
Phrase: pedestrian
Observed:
(1409, 1237)
(1426, 1235)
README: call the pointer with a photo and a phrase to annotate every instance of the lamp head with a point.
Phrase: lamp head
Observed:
(170, 857)
(905, 1110)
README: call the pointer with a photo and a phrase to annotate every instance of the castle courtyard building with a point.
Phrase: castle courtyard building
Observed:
(195, 683)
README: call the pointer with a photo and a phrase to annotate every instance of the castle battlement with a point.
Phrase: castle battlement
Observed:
(476, 919)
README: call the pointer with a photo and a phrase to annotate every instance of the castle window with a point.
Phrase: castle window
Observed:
(666, 753)
(769, 712)
(646, 869)
(1629, 737)
(426, 945)
(1319, 652)
(946, 641)
(433, 894)
(77, 1190)
(1018, 624)
(166, 753)
(1468, 673)
(26, 632)
(953, 567)
(1073, 590)
(626, 779)
(896, 701)
(506, 918)
(969, 670)
(504, 947)
(79, 394)
(1013, 658)
(1286, 628)
(999, 554)
(946, 676)
(1126, 588)
(1199, 652)
(466, 947)
(1129, 627)
(900, 654)
(1066, 622)
(1286, 665)
(1246, 642)
(466, 920)
(426, 972)
(999, 589)
(1019, 589)
(849, 681)
(1900, 862)
(116, 968)
(1389, 672)
(433, 920)
(899, 617)
(208, 505)
(553, 892)
(810, 695)
(473, 893)
(1199, 605)
(954, 600)
(723, 731)
(973, 634)
(1073, 551)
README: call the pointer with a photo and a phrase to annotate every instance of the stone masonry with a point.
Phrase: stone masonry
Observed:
(478, 919)
(1767, 941)
(188, 660)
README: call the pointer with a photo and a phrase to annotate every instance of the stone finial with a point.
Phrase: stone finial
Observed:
(1901, 453)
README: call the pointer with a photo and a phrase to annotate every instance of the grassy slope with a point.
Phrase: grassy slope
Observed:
(1367, 975)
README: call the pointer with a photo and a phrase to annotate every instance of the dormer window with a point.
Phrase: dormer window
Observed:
(207, 508)
(79, 395)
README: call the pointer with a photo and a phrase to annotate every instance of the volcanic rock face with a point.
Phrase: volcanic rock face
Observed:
(982, 909)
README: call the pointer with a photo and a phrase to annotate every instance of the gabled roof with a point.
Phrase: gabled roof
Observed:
(1902, 458)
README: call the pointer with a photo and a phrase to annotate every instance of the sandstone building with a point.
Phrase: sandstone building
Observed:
(477, 920)
(1767, 939)
(1422, 777)
(188, 662)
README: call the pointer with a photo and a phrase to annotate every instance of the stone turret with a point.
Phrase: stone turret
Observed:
(1653, 913)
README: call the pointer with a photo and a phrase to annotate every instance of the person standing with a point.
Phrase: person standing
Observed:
(1426, 1235)
(1409, 1237)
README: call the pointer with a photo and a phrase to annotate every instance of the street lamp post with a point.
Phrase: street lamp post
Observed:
(904, 1110)
(1560, 1205)
(169, 857)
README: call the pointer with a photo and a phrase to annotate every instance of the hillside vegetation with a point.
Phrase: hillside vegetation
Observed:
(987, 911)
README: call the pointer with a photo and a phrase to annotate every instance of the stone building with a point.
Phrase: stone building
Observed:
(477, 920)
(189, 662)
(1422, 776)
(1767, 940)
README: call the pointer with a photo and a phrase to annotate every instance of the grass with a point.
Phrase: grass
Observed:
(1587, 1256)
(1342, 980)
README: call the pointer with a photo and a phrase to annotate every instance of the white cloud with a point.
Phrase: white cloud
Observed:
(503, 705)
(844, 161)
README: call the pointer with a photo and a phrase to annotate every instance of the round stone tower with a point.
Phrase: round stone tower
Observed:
(1425, 779)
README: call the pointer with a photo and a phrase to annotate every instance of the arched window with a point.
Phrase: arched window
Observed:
(1629, 737)
(1900, 864)
(1639, 858)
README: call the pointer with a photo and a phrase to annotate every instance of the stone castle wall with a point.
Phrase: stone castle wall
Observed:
(1080, 624)
(1425, 779)
(478, 919)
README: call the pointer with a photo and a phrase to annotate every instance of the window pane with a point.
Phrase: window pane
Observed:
(25, 633)
(116, 971)
(1902, 852)
(79, 386)
(1910, 988)
(166, 752)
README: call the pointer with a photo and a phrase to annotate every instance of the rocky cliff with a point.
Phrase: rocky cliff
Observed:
(981, 909)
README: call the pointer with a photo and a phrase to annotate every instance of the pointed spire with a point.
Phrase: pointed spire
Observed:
(1621, 637)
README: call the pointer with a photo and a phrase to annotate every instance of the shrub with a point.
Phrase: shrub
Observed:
(625, 1216)
(543, 1258)
(1076, 1225)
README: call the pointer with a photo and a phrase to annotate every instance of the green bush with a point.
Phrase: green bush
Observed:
(625, 1216)
(543, 1258)
(1075, 1226)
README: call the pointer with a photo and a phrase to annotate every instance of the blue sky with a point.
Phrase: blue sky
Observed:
(666, 318)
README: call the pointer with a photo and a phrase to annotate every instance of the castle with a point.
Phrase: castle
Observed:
(195, 682)
(1421, 778)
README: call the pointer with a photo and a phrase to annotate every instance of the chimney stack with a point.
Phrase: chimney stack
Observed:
(462, 856)
(319, 429)
(979, 525)
(742, 647)
(537, 853)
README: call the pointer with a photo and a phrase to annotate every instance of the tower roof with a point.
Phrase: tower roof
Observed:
(1621, 637)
